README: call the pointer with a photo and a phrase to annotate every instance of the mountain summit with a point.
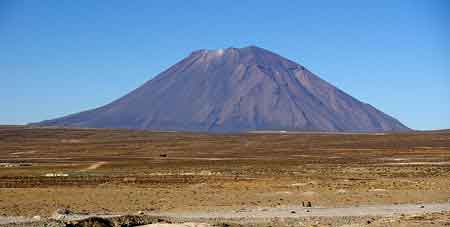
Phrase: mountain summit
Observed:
(234, 90)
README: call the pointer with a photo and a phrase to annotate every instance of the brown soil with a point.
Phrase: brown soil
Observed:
(123, 171)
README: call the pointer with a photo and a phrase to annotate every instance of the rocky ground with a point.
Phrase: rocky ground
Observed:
(255, 179)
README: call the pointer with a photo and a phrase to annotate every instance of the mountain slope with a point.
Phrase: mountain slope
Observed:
(231, 90)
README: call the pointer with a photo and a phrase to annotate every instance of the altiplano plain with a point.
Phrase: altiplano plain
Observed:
(256, 178)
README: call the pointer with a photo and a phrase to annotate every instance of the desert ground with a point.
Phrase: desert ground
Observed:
(249, 179)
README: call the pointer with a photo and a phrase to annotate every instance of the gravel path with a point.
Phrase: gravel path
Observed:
(298, 211)
(15, 219)
(288, 212)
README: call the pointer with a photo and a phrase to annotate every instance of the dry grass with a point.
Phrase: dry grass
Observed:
(159, 171)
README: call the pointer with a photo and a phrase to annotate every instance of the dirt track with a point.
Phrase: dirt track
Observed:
(297, 211)
(259, 214)
(94, 166)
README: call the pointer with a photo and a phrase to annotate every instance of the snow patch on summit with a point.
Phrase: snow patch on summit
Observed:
(216, 53)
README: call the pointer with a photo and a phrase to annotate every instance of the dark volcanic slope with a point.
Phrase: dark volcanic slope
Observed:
(230, 90)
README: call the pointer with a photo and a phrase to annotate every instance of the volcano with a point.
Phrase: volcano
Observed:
(235, 90)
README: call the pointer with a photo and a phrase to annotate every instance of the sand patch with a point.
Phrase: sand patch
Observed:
(24, 152)
(284, 192)
(378, 190)
(308, 193)
(71, 141)
(94, 166)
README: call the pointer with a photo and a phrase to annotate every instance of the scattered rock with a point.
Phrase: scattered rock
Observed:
(92, 221)
(307, 204)
(205, 173)
(241, 210)
(8, 165)
(129, 179)
(56, 175)
(222, 225)
(63, 211)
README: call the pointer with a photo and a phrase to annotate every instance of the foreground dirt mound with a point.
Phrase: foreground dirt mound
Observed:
(122, 221)
(187, 224)
(74, 220)
(93, 222)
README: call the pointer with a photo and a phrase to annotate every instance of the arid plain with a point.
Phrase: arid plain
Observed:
(224, 177)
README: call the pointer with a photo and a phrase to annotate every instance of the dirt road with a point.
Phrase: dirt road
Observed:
(268, 213)
(298, 211)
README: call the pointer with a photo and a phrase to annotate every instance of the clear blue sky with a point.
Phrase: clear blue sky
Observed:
(60, 57)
